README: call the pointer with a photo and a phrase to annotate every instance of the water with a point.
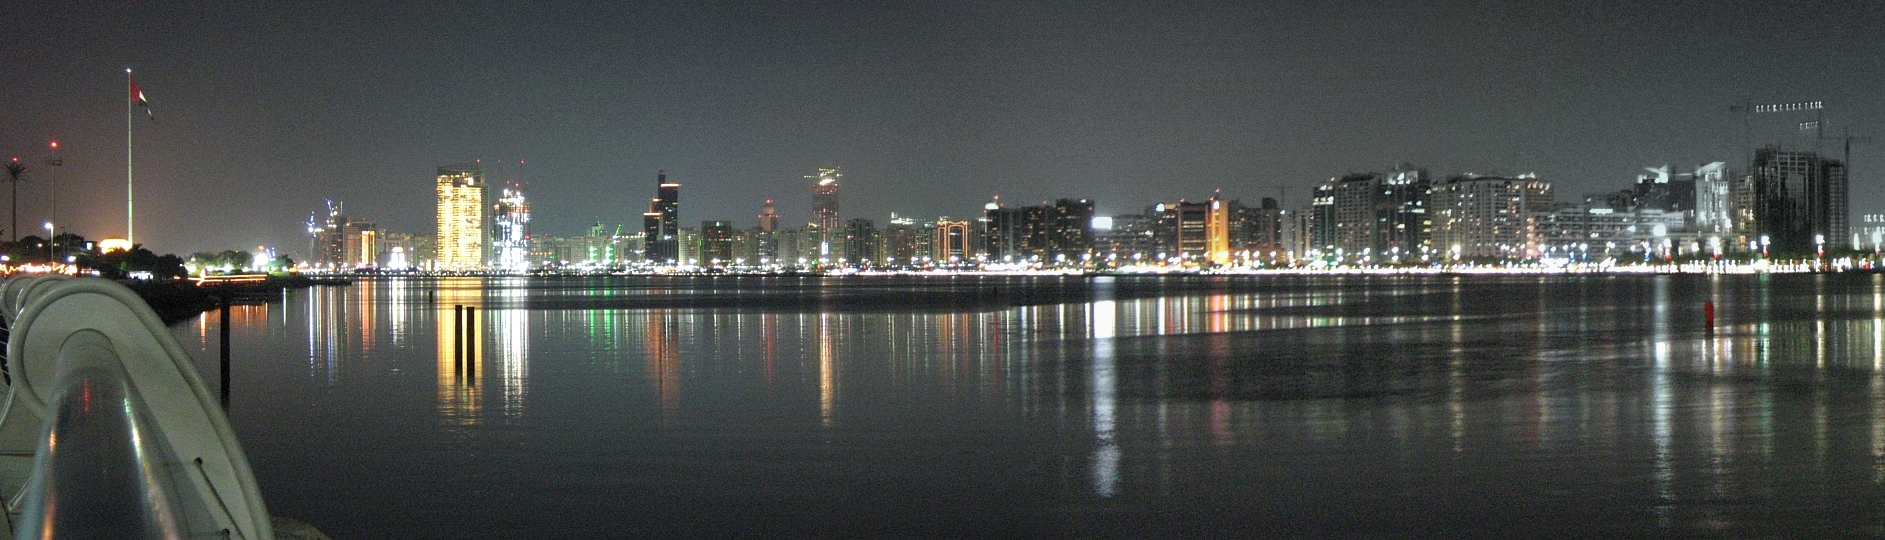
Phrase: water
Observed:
(1418, 407)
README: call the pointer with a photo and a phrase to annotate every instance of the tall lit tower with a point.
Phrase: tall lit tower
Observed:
(825, 216)
(825, 213)
(768, 219)
(662, 222)
(462, 216)
(510, 239)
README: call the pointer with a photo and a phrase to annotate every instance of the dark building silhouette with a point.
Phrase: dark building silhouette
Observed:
(1799, 201)
(661, 223)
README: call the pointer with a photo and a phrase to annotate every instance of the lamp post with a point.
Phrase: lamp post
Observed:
(55, 161)
(49, 258)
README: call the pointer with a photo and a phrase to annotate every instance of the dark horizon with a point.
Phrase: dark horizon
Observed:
(265, 111)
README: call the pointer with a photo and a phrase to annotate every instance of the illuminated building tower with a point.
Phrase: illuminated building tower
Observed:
(661, 225)
(1712, 215)
(652, 233)
(1800, 202)
(1181, 229)
(768, 219)
(1070, 229)
(462, 216)
(901, 241)
(951, 242)
(327, 243)
(825, 215)
(1217, 231)
(716, 244)
(510, 231)
(360, 245)
(1489, 216)
(1006, 232)
(1379, 217)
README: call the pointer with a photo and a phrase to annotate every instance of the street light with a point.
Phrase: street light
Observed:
(49, 242)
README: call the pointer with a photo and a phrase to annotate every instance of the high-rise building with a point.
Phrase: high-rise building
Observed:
(1070, 229)
(326, 243)
(826, 216)
(1381, 217)
(360, 244)
(716, 244)
(1006, 232)
(951, 242)
(510, 230)
(1258, 229)
(463, 218)
(861, 242)
(1800, 201)
(900, 241)
(768, 219)
(661, 223)
(1712, 208)
(1490, 216)
(1217, 230)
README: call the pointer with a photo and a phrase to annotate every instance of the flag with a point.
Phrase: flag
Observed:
(137, 97)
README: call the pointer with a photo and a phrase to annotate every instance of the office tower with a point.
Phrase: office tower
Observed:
(1381, 217)
(1217, 231)
(1712, 214)
(716, 244)
(687, 246)
(951, 243)
(1070, 229)
(1800, 202)
(463, 218)
(1125, 236)
(661, 223)
(825, 214)
(861, 242)
(768, 219)
(1006, 236)
(1319, 220)
(326, 245)
(510, 230)
(1403, 225)
(360, 244)
(1258, 229)
(1489, 216)
(900, 241)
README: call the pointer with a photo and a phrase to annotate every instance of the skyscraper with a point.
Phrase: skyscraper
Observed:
(510, 231)
(1489, 216)
(661, 223)
(1799, 201)
(462, 218)
(825, 214)
(716, 243)
(768, 219)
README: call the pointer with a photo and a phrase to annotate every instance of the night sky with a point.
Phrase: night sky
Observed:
(266, 109)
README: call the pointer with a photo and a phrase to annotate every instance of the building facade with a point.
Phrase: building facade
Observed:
(463, 219)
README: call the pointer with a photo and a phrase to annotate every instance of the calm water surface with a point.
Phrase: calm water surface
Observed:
(1437, 407)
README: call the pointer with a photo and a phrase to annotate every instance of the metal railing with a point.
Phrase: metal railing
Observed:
(125, 439)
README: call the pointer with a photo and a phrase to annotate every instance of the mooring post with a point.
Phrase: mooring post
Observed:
(471, 340)
(458, 338)
(225, 352)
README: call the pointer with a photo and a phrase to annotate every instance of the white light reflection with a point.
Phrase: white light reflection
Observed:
(1106, 456)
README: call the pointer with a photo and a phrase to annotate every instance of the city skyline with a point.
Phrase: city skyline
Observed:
(267, 112)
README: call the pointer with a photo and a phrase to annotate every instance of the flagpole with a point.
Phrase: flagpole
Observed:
(129, 191)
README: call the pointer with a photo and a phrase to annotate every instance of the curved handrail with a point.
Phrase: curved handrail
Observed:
(173, 400)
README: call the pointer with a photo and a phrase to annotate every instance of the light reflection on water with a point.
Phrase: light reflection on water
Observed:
(1336, 406)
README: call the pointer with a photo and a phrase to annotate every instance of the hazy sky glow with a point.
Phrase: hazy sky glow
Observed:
(264, 110)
